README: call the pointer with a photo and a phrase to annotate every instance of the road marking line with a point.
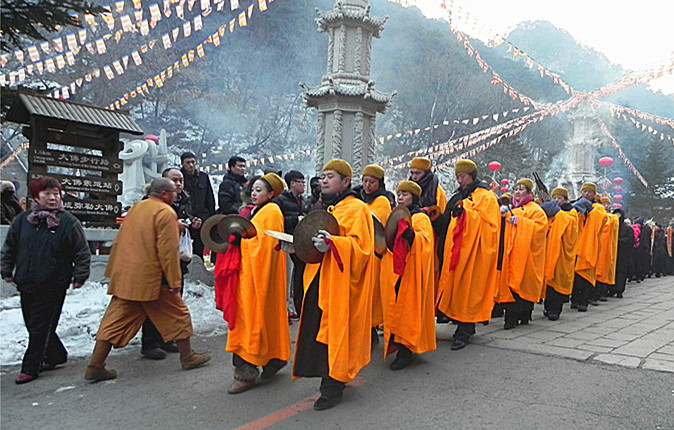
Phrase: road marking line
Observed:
(293, 409)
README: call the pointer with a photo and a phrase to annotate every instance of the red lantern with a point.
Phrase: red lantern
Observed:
(617, 197)
(504, 189)
(504, 182)
(494, 165)
(606, 161)
(618, 180)
(151, 137)
(618, 189)
(617, 206)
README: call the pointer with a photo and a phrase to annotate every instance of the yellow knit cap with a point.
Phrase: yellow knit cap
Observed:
(420, 163)
(507, 196)
(526, 182)
(339, 166)
(589, 186)
(465, 166)
(374, 171)
(275, 182)
(560, 192)
(410, 187)
(605, 200)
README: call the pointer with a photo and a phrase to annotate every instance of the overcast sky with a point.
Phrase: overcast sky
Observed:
(634, 34)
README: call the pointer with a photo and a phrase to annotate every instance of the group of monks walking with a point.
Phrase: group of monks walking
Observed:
(464, 259)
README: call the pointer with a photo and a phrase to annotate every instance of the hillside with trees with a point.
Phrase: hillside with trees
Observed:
(242, 97)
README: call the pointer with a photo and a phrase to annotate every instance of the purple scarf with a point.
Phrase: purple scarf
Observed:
(38, 212)
(521, 202)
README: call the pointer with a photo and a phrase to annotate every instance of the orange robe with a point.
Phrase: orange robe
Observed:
(560, 255)
(441, 198)
(587, 251)
(466, 293)
(381, 207)
(608, 254)
(345, 296)
(261, 331)
(526, 261)
(410, 314)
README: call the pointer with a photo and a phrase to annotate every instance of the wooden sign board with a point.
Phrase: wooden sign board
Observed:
(75, 161)
(92, 207)
(85, 184)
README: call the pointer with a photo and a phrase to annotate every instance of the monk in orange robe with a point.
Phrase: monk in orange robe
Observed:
(432, 194)
(469, 227)
(526, 255)
(260, 334)
(333, 341)
(560, 255)
(606, 265)
(588, 248)
(408, 284)
(373, 193)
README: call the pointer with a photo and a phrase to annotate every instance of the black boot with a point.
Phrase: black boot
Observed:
(332, 391)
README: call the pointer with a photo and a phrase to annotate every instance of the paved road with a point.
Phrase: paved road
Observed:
(610, 368)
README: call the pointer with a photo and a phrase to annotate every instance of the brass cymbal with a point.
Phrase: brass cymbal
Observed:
(400, 212)
(210, 236)
(236, 224)
(307, 228)
(379, 235)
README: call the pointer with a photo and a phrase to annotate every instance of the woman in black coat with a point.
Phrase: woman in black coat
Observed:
(45, 251)
(625, 258)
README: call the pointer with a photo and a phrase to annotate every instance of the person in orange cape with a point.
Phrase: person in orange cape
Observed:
(525, 255)
(606, 264)
(588, 249)
(373, 193)
(408, 284)
(258, 334)
(432, 194)
(560, 254)
(333, 341)
(469, 227)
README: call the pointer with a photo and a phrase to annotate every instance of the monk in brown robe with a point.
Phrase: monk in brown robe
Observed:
(260, 335)
(470, 226)
(408, 285)
(333, 341)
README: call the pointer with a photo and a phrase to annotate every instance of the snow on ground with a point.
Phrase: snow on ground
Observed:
(81, 316)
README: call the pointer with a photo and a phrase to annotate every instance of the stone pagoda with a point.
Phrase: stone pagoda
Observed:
(346, 99)
(582, 146)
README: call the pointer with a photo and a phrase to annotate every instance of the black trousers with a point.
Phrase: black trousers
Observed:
(554, 301)
(197, 244)
(620, 280)
(297, 288)
(464, 330)
(41, 313)
(518, 311)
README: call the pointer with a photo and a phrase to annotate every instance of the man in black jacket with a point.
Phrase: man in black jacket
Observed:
(229, 193)
(292, 205)
(202, 200)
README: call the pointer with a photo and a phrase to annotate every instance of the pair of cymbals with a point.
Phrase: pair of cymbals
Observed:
(379, 235)
(391, 229)
(306, 229)
(216, 230)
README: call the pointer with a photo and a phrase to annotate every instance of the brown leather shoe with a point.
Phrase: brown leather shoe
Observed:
(195, 359)
(96, 373)
(240, 386)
